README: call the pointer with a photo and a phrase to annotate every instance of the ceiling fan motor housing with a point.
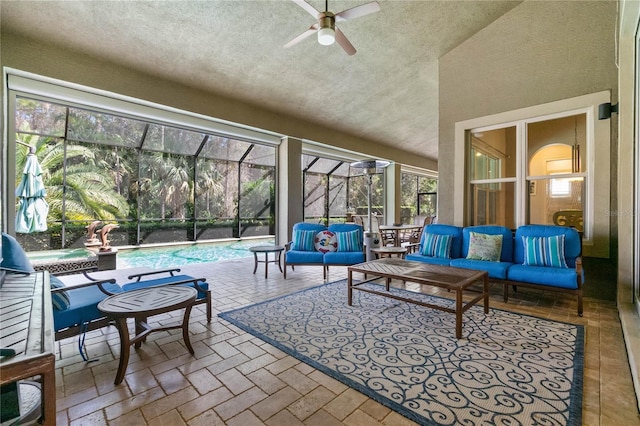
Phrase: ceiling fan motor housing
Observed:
(326, 33)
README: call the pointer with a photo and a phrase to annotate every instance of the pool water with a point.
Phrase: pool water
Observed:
(184, 254)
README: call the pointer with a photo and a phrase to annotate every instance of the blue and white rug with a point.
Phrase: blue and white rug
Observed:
(507, 369)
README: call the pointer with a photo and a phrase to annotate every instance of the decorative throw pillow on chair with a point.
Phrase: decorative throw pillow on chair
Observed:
(326, 242)
(435, 245)
(303, 240)
(484, 247)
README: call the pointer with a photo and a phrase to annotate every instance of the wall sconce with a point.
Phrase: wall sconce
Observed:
(605, 110)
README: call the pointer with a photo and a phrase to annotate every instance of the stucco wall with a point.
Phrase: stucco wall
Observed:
(536, 53)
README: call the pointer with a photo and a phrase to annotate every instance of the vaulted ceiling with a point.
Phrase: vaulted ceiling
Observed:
(387, 92)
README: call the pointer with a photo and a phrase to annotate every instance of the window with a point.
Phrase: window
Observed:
(158, 182)
(419, 197)
(551, 147)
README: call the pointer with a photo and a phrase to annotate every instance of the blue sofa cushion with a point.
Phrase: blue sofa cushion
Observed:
(544, 251)
(295, 257)
(428, 259)
(442, 229)
(553, 277)
(506, 253)
(434, 245)
(83, 306)
(343, 258)
(13, 256)
(496, 270)
(572, 242)
(60, 299)
(167, 280)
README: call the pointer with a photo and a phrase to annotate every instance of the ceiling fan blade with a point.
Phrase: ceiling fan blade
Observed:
(346, 44)
(312, 30)
(358, 11)
(306, 6)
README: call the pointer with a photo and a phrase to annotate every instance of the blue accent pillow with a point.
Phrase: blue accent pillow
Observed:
(435, 245)
(303, 240)
(60, 299)
(349, 241)
(544, 251)
(13, 256)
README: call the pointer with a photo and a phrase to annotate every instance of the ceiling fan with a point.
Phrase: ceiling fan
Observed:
(326, 25)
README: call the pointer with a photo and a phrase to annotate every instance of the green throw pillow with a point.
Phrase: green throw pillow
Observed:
(484, 247)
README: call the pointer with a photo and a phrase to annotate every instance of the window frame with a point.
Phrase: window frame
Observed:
(596, 178)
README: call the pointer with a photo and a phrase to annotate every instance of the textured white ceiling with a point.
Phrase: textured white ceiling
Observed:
(386, 92)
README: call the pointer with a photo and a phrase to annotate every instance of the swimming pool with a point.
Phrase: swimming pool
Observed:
(184, 254)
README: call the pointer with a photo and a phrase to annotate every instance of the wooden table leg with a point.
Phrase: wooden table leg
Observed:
(185, 328)
(49, 392)
(485, 289)
(458, 313)
(349, 289)
(125, 345)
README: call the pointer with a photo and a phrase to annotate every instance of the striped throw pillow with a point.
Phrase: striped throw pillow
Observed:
(435, 245)
(303, 240)
(544, 251)
(59, 299)
(349, 241)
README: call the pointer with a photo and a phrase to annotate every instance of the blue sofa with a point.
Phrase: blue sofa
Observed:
(315, 244)
(515, 266)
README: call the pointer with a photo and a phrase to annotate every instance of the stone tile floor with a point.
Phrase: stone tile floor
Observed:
(237, 379)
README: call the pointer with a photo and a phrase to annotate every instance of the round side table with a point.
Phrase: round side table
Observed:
(266, 250)
(388, 251)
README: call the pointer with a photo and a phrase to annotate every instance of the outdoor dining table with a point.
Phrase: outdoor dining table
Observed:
(398, 230)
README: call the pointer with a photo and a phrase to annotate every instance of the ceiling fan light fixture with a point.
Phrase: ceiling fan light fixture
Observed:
(327, 32)
(326, 36)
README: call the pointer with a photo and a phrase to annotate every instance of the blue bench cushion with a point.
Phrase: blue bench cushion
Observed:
(496, 270)
(83, 306)
(543, 275)
(167, 280)
(343, 258)
(428, 259)
(294, 257)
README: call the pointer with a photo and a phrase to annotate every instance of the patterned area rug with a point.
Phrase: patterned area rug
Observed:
(508, 369)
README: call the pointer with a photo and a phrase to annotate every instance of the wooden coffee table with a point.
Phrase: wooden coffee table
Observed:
(143, 303)
(454, 279)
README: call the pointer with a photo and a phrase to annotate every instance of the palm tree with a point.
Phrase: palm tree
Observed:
(82, 191)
